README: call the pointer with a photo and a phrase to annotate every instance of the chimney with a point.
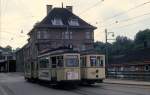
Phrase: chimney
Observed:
(69, 8)
(49, 8)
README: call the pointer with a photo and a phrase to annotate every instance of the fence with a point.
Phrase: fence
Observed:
(134, 75)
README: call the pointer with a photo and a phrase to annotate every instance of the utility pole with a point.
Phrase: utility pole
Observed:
(106, 47)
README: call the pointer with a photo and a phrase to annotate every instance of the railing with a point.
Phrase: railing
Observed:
(134, 75)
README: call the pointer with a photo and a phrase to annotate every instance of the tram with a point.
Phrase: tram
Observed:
(92, 67)
(56, 67)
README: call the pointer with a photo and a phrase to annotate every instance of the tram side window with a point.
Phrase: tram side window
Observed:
(60, 61)
(44, 62)
(102, 62)
(99, 61)
(93, 61)
(53, 62)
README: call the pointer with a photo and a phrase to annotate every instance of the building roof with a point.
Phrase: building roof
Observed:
(65, 15)
(141, 55)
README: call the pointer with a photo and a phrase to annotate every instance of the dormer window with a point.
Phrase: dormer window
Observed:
(73, 22)
(57, 21)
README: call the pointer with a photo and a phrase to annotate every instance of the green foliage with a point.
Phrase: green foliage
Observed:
(8, 48)
(123, 44)
(142, 39)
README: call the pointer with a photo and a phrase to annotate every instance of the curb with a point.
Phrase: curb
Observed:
(127, 84)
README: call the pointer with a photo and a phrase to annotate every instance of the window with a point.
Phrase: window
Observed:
(93, 61)
(99, 61)
(147, 68)
(92, 35)
(63, 35)
(9, 57)
(72, 61)
(60, 61)
(57, 21)
(70, 35)
(73, 22)
(96, 61)
(66, 35)
(39, 34)
(45, 35)
(87, 35)
(44, 62)
(42, 35)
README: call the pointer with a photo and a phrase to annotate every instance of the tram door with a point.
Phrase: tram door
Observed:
(32, 69)
(53, 68)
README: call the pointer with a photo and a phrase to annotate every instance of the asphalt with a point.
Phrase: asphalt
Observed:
(14, 84)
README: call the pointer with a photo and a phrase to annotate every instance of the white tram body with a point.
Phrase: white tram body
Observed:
(56, 67)
(92, 68)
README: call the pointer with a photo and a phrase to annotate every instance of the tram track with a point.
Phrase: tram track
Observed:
(85, 91)
(5, 90)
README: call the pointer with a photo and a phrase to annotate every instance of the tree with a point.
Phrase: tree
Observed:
(122, 45)
(8, 48)
(142, 39)
(99, 46)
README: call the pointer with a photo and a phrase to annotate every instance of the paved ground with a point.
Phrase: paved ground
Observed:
(14, 84)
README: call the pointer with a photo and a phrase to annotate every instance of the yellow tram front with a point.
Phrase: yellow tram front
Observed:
(92, 68)
(62, 68)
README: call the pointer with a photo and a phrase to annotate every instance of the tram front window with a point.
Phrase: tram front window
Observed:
(72, 61)
(93, 61)
(96, 61)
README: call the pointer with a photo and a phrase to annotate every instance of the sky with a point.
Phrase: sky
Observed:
(123, 17)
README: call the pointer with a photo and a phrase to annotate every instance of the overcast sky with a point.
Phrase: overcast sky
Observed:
(21, 15)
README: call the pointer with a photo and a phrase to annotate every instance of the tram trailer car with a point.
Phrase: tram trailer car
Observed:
(55, 67)
(92, 68)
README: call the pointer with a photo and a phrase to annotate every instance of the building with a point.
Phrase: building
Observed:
(133, 65)
(7, 61)
(60, 28)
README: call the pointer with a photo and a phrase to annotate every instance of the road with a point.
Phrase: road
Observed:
(14, 84)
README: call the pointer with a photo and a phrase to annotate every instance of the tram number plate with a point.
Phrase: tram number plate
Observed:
(72, 75)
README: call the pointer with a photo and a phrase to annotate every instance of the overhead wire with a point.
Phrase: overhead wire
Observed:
(124, 12)
(96, 4)
(129, 24)
(125, 20)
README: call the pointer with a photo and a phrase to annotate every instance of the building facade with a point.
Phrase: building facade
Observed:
(7, 61)
(60, 28)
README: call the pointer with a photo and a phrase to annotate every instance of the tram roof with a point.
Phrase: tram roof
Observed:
(57, 51)
(91, 52)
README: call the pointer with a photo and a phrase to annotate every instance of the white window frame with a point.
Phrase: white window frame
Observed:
(45, 35)
(66, 35)
(39, 34)
(73, 22)
(70, 34)
(57, 21)
(87, 35)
